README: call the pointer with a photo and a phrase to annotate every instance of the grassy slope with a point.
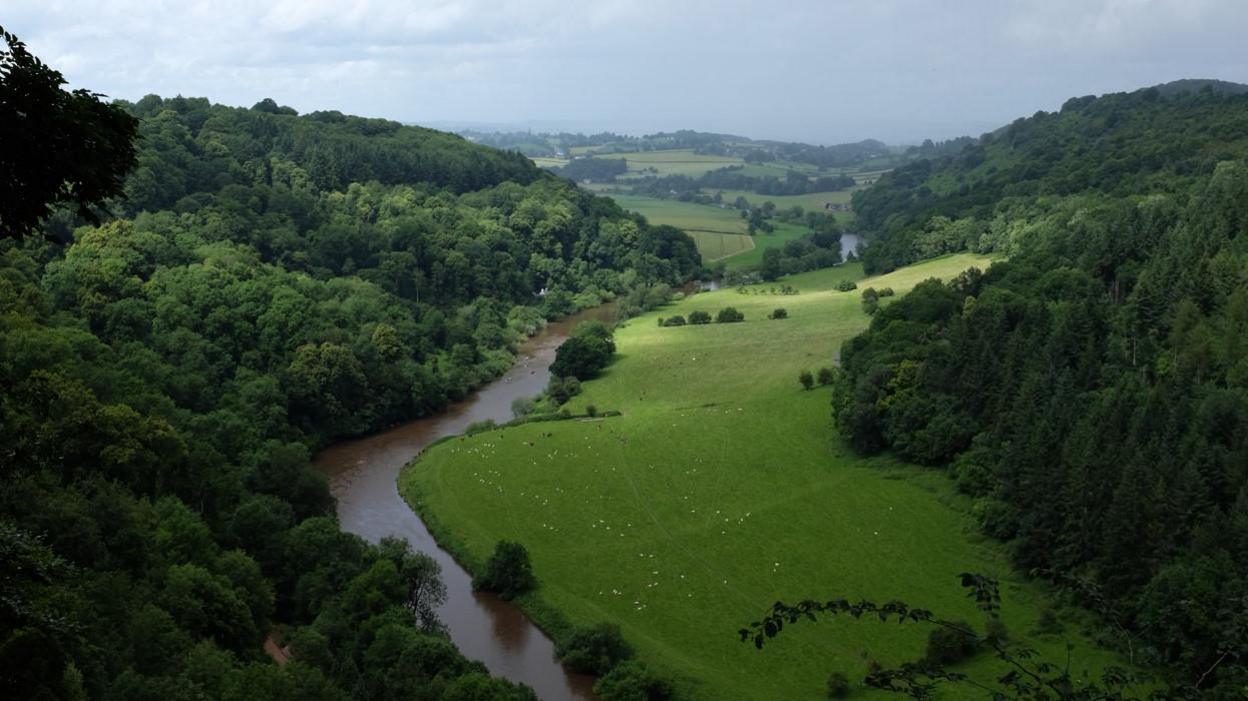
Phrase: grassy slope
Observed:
(720, 490)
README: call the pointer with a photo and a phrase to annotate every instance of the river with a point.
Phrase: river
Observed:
(363, 478)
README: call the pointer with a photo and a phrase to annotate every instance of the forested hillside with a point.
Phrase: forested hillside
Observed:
(993, 192)
(1091, 393)
(269, 282)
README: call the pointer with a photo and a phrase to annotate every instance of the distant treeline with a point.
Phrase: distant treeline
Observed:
(599, 170)
(751, 150)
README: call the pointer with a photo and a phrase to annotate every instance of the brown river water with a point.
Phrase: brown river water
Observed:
(363, 476)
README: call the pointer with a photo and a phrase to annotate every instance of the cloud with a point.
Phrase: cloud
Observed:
(820, 70)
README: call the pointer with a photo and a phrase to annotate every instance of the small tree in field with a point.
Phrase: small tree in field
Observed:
(780, 314)
(838, 685)
(729, 315)
(699, 317)
(508, 572)
(826, 376)
(806, 379)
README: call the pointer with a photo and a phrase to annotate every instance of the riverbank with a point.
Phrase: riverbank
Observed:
(363, 477)
(722, 489)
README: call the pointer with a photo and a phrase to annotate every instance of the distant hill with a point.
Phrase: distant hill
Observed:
(1194, 85)
(1148, 141)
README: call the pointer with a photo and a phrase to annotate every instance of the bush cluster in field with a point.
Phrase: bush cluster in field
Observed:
(727, 315)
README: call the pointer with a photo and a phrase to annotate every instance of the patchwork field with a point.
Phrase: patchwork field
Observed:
(716, 247)
(812, 202)
(721, 489)
(689, 216)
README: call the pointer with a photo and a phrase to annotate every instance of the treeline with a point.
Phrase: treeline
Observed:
(1119, 145)
(599, 170)
(851, 155)
(272, 282)
(1091, 393)
(732, 178)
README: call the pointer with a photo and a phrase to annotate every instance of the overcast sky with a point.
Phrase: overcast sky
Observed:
(825, 71)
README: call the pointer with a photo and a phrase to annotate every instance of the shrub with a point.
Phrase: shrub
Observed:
(806, 379)
(838, 685)
(995, 632)
(479, 426)
(595, 650)
(677, 320)
(561, 389)
(591, 410)
(633, 681)
(729, 315)
(886, 292)
(581, 357)
(508, 572)
(699, 317)
(826, 375)
(779, 314)
(870, 300)
(946, 646)
(846, 285)
(1047, 623)
(522, 406)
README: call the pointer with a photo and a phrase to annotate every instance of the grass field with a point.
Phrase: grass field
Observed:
(721, 489)
(672, 162)
(541, 162)
(812, 202)
(718, 232)
(684, 215)
(716, 247)
(753, 256)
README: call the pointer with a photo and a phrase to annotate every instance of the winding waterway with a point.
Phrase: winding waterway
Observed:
(363, 477)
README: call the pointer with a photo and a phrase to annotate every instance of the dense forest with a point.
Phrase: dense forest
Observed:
(265, 283)
(991, 193)
(1090, 392)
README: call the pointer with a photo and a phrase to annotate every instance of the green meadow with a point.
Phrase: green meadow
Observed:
(689, 216)
(727, 247)
(720, 489)
(672, 162)
(812, 202)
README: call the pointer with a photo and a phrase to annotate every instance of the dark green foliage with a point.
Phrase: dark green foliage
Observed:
(581, 357)
(838, 685)
(699, 317)
(826, 376)
(676, 320)
(779, 313)
(806, 379)
(595, 650)
(60, 148)
(1092, 392)
(277, 282)
(1124, 144)
(508, 572)
(950, 645)
(729, 315)
(870, 301)
(846, 285)
(561, 389)
(995, 632)
(599, 170)
(633, 681)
